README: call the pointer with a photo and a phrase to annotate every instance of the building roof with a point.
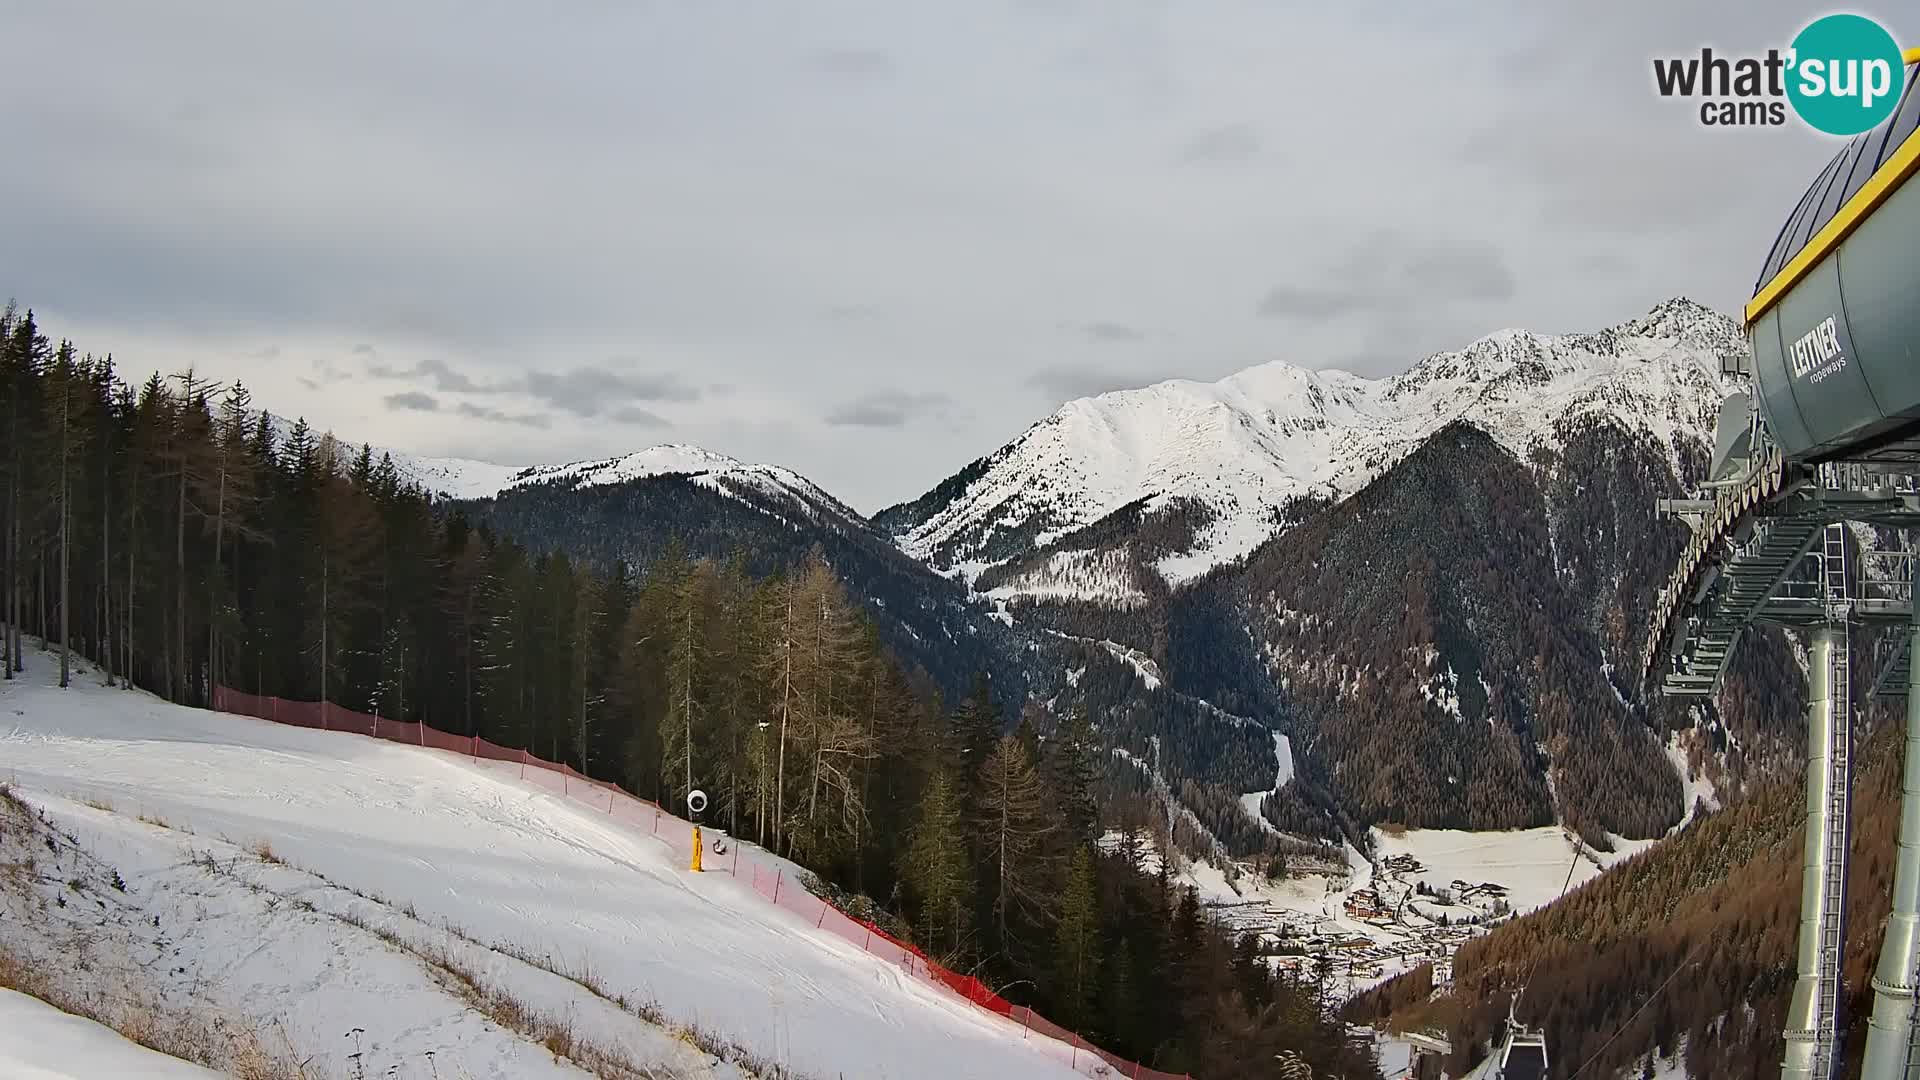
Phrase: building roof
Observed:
(1868, 169)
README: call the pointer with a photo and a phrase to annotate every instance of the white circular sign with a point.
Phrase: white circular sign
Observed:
(696, 800)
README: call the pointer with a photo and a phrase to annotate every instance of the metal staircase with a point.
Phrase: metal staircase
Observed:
(1896, 653)
(1839, 786)
(1745, 584)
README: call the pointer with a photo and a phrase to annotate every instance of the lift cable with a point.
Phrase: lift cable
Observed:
(1651, 998)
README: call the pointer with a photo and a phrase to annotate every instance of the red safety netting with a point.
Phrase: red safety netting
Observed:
(767, 875)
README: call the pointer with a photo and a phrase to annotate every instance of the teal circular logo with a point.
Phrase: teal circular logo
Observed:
(1845, 75)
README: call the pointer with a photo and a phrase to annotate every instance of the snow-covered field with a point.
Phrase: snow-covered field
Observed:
(441, 854)
(39, 1042)
(1532, 864)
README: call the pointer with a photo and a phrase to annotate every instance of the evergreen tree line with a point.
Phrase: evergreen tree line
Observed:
(181, 539)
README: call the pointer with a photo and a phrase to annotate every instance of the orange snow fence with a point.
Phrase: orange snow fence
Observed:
(767, 875)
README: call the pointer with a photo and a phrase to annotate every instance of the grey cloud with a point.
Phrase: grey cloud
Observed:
(326, 371)
(1604, 263)
(1477, 274)
(859, 63)
(496, 416)
(1061, 383)
(442, 375)
(1113, 332)
(1311, 304)
(637, 416)
(445, 378)
(1394, 275)
(584, 391)
(887, 409)
(413, 401)
(806, 164)
(1235, 143)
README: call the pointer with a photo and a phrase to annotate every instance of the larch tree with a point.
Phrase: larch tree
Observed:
(1014, 822)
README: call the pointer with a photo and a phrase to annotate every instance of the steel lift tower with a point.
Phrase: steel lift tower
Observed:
(1803, 521)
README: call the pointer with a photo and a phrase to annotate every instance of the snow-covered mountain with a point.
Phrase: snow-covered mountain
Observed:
(1229, 456)
(464, 478)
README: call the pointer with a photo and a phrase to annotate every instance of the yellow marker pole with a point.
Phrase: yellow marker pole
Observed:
(696, 849)
(1912, 56)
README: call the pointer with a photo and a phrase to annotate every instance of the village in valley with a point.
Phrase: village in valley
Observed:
(1354, 922)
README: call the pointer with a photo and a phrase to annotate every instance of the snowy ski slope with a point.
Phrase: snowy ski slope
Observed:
(472, 847)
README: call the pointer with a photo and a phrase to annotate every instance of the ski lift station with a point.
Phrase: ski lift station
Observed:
(1806, 519)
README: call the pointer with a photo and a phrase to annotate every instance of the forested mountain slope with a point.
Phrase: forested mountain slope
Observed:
(1448, 645)
(700, 504)
(1687, 948)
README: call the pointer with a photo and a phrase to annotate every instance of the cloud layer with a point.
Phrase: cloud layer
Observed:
(812, 204)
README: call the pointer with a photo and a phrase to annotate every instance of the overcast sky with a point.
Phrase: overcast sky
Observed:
(871, 241)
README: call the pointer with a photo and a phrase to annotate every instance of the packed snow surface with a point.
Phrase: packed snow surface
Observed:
(469, 846)
(1243, 446)
(39, 1042)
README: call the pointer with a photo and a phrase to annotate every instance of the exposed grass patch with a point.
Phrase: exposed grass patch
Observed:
(13, 809)
(205, 1039)
(556, 1033)
(263, 851)
(99, 804)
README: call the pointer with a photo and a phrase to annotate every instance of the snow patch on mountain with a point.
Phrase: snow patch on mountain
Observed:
(1243, 446)
(1283, 758)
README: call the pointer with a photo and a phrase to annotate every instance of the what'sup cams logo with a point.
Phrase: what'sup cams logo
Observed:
(1842, 75)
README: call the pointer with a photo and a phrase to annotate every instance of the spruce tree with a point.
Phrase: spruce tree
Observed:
(1076, 950)
(1072, 771)
(936, 868)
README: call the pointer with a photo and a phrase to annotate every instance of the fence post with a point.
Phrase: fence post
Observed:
(423, 733)
(776, 884)
(736, 858)
(1075, 1063)
(523, 764)
(822, 920)
(476, 747)
(1026, 1027)
(376, 725)
(865, 945)
(656, 821)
